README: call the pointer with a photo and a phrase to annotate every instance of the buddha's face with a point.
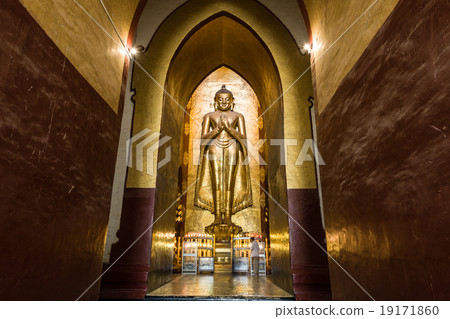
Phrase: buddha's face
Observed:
(224, 101)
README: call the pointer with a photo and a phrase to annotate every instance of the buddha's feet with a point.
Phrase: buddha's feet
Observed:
(223, 230)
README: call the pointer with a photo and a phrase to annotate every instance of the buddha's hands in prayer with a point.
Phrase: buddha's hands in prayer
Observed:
(223, 123)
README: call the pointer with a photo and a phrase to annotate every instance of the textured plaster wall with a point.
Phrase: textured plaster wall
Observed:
(94, 53)
(58, 143)
(335, 50)
(385, 139)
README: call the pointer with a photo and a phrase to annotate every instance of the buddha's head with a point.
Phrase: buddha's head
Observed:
(223, 99)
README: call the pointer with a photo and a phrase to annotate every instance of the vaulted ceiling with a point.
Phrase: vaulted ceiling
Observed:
(341, 30)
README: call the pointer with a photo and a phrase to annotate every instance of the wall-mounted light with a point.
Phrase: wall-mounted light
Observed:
(305, 49)
(137, 49)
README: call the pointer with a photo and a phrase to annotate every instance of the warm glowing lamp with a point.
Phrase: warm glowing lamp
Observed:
(305, 49)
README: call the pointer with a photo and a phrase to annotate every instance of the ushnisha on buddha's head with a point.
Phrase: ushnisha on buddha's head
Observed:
(223, 100)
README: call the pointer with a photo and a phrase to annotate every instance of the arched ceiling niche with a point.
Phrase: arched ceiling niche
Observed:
(223, 40)
(287, 11)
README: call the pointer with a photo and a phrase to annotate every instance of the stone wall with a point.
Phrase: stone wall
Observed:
(384, 138)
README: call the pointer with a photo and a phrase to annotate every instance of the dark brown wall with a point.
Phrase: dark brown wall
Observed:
(58, 142)
(309, 262)
(384, 137)
(127, 275)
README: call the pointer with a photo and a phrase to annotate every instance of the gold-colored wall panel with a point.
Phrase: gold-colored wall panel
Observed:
(329, 20)
(247, 104)
(297, 129)
(93, 53)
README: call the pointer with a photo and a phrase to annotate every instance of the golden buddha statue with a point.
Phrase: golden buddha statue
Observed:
(223, 186)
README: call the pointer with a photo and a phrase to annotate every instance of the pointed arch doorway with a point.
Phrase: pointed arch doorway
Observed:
(266, 56)
(195, 62)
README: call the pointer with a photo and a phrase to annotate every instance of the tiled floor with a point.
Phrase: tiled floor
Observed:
(221, 285)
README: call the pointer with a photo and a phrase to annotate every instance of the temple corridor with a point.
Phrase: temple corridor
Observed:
(165, 149)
